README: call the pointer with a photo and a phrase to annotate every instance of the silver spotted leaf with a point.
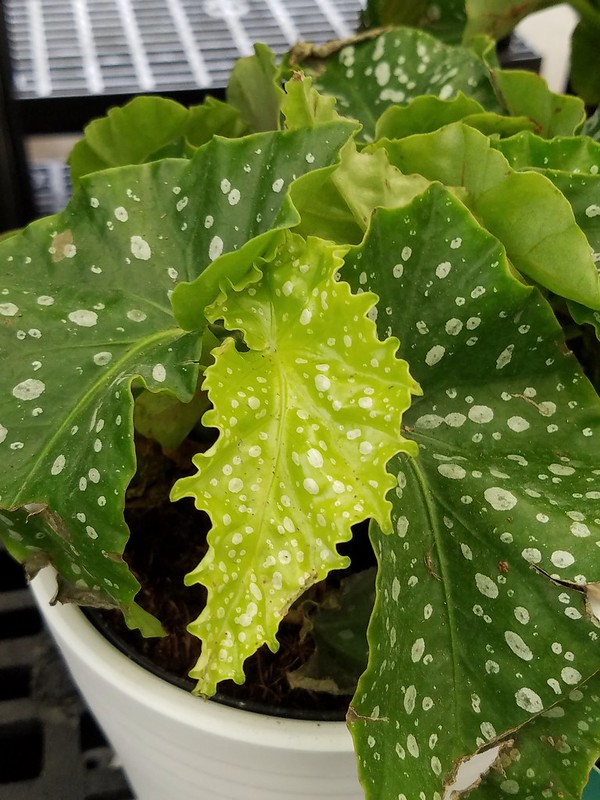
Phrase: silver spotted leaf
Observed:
(308, 418)
(396, 67)
(480, 623)
(85, 308)
(567, 736)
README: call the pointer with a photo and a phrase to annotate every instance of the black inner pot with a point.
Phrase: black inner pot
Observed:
(102, 624)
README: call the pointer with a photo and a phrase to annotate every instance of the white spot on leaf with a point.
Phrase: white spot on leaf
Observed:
(140, 248)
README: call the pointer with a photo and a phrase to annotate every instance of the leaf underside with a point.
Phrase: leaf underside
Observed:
(304, 442)
(471, 638)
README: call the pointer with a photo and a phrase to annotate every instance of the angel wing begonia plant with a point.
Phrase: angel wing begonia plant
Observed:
(363, 258)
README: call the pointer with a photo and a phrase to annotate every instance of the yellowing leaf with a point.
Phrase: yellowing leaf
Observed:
(308, 418)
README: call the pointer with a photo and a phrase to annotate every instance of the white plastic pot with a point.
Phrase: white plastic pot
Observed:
(174, 746)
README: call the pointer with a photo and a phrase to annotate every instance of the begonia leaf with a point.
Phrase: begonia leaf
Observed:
(254, 184)
(444, 18)
(572, 164)
(86, 297)
(591, 127)
(338, 627)
(482, 589)
(127, 135)
(254, 89)
(303, 444)
(426, 114)
(585, 77)
(304, 107)
(211, 118)
(337, 203)
(497, 18)
(523, 93)
(568, 732)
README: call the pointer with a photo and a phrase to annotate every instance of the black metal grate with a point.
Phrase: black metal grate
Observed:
(83, 47)
(50, 745)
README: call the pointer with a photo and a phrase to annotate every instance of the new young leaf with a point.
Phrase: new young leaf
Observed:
(308, 418)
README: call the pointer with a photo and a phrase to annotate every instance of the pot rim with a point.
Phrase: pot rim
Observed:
(70, 627)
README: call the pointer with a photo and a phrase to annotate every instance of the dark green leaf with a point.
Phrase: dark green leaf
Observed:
(444, 18)
(396, 67)
(338, 627)
(480, 621)
(86, 305)
(585, 75)
(592, 126)
(249, 193)
(551, 756)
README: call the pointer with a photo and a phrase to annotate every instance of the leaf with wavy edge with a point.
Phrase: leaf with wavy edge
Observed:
(100, 316)
(471, 637)
(308, 418)
(127, 135)
(529, 215)
(429, 113)
(337, 203)
(527, 150)
(525, 93)
(254, 184)
(304, 107)
(572, 163)
(151, 127)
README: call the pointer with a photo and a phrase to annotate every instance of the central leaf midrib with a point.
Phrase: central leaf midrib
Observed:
(257, 545)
